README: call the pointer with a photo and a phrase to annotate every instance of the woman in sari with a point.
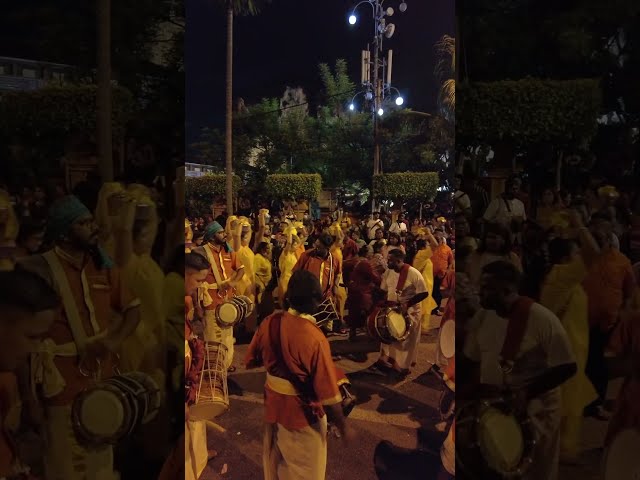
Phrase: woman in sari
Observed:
(422, 263)
(562, 293)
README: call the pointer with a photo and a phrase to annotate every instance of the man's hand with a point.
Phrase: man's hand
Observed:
(96, 351)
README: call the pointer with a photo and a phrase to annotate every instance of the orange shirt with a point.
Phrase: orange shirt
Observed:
(227, 263)
(625, 342)
(321, 268)
(307, 355)
(441, 259)
(609, 282)
(107, 292)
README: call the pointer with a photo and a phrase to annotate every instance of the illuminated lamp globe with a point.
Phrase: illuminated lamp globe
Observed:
(352, 19)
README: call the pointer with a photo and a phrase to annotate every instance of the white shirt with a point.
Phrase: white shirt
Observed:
(503, 211)
(413, 286)
(372, 226)
(398, 227)
(545, 345)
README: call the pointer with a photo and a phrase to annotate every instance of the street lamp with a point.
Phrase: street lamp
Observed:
(376, 87)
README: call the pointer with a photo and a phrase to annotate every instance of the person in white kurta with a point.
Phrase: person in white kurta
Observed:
(403, 354)
(544, 347)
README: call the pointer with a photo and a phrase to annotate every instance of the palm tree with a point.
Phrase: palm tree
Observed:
(233, 8)
(445, 71)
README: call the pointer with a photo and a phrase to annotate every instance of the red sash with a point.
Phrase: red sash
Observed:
(402, 279)
(518, 320)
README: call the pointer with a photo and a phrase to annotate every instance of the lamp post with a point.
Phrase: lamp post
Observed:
(375, 88)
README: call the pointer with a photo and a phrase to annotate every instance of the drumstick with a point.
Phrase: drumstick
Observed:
(215, 426)
(417, 299)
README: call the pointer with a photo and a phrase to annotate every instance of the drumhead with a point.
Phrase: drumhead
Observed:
(207, 410)
(447, 339)
(227, 313)
(396, 324)
(621, 461)
(501, 440)
(102, 413)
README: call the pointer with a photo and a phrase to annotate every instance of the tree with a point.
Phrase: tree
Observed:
(233, 8)
(338, 87)
(445, 71)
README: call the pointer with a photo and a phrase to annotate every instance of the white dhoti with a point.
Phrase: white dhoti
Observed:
(546, 418)
(196, 453)
(213, 333)
(406, 352)
(295, 454)
(448, 453)
(66, 459)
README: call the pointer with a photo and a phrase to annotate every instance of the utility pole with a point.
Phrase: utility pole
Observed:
(103, 120)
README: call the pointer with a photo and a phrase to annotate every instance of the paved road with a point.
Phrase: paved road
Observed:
(402, 412)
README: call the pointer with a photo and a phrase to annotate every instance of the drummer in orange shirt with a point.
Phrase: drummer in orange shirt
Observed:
(323, 265)
(301, 386)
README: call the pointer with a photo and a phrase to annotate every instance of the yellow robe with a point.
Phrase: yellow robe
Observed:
(341, 292)
(247, 285)
(9, 233)
(562, 293)
(262, 267)
(103, 219)
(286, 263)
(422, 263)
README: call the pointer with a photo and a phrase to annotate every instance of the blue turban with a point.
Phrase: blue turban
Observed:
(63, 214)
(211, 230)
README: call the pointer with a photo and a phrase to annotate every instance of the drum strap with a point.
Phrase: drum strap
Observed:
(68, 301)
(402, 279)
(214, 265)
(516, 328)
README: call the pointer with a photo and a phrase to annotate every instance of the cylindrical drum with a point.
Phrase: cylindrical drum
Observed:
(212, 397)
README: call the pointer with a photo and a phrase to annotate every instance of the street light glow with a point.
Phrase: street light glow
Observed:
(399, 101)
(352, 19)
(403, 7)
(352, 107)
(380, 112)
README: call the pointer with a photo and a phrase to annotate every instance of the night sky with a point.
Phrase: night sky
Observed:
(283, 45)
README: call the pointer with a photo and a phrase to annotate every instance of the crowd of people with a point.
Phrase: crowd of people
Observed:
(547, 306)
(91, 287)
(309, 280)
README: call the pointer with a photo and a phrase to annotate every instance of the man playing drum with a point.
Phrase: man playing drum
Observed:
(225, 273)
(190, 456)
(82, 338)
(325, 267)
(402, 283)
(302, 384)
(514, 343)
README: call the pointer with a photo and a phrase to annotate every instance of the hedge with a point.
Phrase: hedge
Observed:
(528, 111)
(60, 110)
(209, 186)
(294, 186)
(406, 186)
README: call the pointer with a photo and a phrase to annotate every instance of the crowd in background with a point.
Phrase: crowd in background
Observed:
(578, 255)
